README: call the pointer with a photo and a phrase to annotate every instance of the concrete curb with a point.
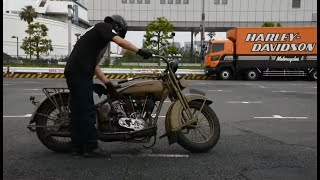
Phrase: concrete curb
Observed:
(109, 76)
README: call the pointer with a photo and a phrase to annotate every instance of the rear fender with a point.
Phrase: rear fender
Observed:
(40, 106)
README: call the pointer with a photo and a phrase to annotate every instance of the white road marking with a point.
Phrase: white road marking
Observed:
(284, 91)
(244, 102)
(27, 115)
(262, 86)
(7, 84)
(220, 90)
(201, 83)
(152, 155)
(280, 117)
(36, 94)
(32, 89)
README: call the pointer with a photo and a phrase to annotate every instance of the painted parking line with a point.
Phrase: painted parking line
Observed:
(244, 102)
(220, 90)
(280, 117)
(284, 91)
(19, 116)
(32, 89)
(152, 155)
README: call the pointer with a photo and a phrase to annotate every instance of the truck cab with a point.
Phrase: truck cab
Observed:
(219, 59)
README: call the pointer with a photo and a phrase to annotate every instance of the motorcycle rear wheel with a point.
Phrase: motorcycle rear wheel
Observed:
(190, 137)
(54, 143)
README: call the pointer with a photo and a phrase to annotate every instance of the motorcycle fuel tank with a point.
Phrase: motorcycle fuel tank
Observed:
(143, 88)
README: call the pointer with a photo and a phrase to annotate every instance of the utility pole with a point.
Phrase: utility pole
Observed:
(17, 45)
(202, 33)
(69, 28)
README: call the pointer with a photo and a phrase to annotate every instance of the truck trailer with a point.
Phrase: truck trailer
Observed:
(253, 52)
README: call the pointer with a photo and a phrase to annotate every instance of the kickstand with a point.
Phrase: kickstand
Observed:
(154, 142)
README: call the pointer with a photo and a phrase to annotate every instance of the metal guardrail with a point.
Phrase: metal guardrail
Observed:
(104, 70)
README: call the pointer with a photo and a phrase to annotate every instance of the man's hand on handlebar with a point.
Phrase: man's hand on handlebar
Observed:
(111, 87)
(146, 54)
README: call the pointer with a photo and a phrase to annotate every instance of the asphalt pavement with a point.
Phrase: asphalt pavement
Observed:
(268, 131)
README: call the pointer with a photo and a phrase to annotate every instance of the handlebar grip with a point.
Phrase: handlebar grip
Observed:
(125, 80)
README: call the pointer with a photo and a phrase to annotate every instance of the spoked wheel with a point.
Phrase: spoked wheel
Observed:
(56, 119)
(203, 135)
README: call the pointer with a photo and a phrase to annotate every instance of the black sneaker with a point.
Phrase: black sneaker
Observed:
(96, 153)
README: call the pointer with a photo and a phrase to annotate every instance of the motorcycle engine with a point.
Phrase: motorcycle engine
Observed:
(129, 116)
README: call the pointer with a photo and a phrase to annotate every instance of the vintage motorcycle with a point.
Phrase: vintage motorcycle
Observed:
(132, 116)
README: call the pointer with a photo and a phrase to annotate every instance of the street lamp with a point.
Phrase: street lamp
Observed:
(77, 35)
(172, 35)
(17, 45)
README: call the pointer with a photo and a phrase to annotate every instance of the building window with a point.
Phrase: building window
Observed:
(139, 1)
(131, 1)
(147, 1)
(216, 1)
(170, 1)
(185, 1)
(178, 1)
(314, 16)
(124, 1)
(224, 1)
(296, 3)
(162, 1)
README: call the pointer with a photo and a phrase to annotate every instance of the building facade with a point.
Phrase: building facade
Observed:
(220, 15)
(52, 13)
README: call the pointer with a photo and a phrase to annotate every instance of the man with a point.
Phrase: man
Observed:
(79, 71)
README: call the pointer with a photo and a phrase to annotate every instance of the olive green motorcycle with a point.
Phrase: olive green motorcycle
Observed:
(132, 116)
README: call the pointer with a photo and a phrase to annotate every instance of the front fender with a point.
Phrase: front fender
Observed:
(173, 116)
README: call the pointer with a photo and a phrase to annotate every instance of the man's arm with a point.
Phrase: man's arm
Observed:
(100, 75)
(125, 44)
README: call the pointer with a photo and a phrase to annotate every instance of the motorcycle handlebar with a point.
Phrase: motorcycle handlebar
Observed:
(125, 80)
(161, 57)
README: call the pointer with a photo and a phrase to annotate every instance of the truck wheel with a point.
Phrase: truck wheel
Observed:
(313, 75)
(225, 74)
(252, 75)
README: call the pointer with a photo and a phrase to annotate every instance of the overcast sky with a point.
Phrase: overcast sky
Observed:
(136, 37)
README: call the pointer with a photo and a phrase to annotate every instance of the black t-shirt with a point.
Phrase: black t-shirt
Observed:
(84, 56)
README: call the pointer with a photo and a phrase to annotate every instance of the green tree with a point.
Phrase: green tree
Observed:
(37, 41)
(270, 24)
(157, 34)
(28, 14)
(172, 50)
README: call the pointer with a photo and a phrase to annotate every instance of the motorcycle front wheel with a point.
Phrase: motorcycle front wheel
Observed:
(205, 134)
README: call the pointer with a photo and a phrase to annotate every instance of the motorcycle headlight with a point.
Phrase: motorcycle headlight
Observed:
(174, 65)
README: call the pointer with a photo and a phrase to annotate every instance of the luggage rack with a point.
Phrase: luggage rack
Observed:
(54, 95)
(51, 92)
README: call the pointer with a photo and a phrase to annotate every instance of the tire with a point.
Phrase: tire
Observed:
(225, 74)
(213, 136)
(252, 75)
(313, 75)
(48, 108)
